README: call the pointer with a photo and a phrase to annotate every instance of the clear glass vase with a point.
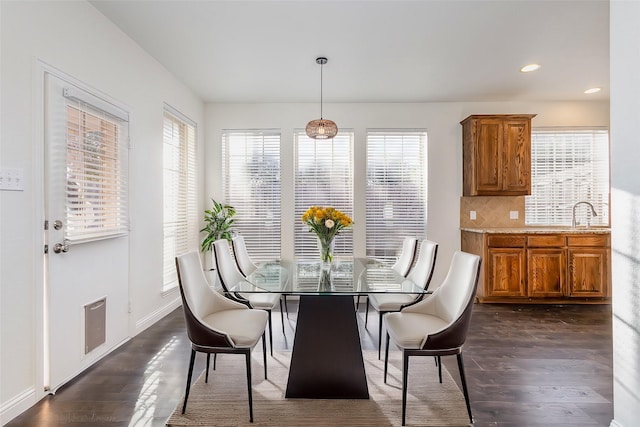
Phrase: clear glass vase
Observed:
(325, 282)
(325, 247)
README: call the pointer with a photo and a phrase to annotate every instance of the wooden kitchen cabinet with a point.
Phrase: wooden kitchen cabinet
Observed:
(542, 267)
(589, 270)
(496, 155)
(546, 265)
(506, 260)
(506, 272)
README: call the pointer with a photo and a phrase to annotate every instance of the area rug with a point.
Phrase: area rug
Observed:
(223, 401)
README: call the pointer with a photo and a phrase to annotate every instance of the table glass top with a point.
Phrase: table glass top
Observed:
(346, 276)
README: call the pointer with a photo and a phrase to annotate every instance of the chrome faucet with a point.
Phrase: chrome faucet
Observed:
(573, 218)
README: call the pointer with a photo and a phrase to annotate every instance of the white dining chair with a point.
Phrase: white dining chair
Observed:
(230, 275)
(437, 325)
(403, 263)
(407, 256)
(247, 266)
(420, 274)
(216, 324)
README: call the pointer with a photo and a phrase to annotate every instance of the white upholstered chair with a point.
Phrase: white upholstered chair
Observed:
(230, 275)
(420, 274)
(247, 266)
(243, 260)
(216, 324)
(407, 256)
(403, 262)
(437, 325)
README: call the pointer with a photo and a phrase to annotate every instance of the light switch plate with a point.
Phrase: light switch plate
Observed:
(11, 179)
(513, 215)
(472, 215)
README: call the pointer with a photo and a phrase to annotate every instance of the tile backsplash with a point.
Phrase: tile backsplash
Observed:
(492, 211)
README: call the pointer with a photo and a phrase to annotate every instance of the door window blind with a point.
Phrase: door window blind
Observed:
(97, 152)
(323, 177)
(179, 184)
(396, 190)
(251, 174)
(568, 166)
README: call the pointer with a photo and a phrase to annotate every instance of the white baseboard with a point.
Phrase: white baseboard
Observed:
(152, 318)
(615, 424)
(17, 405)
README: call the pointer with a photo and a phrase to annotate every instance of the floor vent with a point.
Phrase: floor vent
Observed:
(95, 318)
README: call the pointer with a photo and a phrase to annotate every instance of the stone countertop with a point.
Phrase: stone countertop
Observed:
(540, 230)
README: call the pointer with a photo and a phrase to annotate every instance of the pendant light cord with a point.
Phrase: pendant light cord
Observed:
(321, 90)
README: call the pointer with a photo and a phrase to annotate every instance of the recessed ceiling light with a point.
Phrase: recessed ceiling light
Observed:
(592, 90)
(529, 68)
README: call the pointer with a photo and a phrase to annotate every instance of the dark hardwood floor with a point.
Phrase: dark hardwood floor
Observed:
(527, 365)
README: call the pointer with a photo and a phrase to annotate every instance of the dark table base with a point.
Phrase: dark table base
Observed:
(326, 362)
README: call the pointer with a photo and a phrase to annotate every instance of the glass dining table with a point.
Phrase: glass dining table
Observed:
(326, 359)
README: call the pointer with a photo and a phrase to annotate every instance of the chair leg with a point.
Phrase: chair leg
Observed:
(357, 302)
(264, 353)
(366, 313)
(186, 393)
(248, 361)
(282, 316)
(206, 375)
(285, 305)
(386, 358)
(270, 333)
(440, 369)
(463, 380)
(215, 359)
(380, 333)
(405, 377)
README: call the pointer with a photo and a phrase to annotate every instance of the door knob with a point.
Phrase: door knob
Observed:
(61, 247)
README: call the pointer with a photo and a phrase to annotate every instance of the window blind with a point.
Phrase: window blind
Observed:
(251, 175)
(323, 177)
(396, 190)
(179, 184)
(97, 143)
(568, 166)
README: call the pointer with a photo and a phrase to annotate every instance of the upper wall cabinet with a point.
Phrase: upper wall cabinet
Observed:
(496, 155)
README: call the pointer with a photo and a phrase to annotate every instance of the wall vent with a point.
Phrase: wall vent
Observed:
(95, 319)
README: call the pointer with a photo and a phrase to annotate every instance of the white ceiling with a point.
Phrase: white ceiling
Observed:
(378, 51)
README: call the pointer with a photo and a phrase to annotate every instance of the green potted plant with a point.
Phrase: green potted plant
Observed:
(218, 222)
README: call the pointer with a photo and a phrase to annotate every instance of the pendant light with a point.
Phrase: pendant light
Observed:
(321, 129)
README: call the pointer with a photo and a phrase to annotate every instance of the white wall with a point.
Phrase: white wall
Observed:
(442, 121)
(625, 219)
(75, 38)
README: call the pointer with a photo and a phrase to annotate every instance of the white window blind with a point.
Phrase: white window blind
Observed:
(396, 190)
(97, 168)
(251, 174)
(179, 183)
(323, 177)
(568, 166)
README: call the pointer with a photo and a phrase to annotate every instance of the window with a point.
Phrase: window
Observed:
(97, 168)
(396, 190)
(568, 166)
(251, 174)
(323, 177)
(179, 183)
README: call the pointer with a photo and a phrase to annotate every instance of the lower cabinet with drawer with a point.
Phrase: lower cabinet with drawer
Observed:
(546, 266)
(506, 266)
(588, 266)
(542, 268)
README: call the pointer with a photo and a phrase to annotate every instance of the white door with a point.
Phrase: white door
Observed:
(86, 264)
